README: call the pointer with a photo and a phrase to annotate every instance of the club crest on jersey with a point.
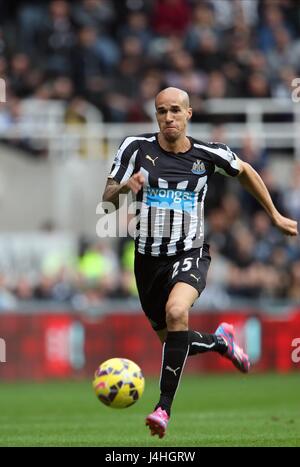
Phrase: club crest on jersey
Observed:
(198, 168)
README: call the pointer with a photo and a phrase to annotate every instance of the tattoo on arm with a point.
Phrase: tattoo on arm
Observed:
(112, 191)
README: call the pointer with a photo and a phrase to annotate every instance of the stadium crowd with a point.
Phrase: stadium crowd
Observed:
(115, 56)
(118, 55)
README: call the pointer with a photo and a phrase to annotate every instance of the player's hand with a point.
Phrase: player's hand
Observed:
(136, 182)
(286, 225)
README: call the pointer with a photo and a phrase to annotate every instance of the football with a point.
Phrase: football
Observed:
(118, 383)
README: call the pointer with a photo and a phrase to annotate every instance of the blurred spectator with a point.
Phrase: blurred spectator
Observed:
(43, 290)
(231, 207)
(250, 204)
(78, 114)
(143, 108)
(3, 45)
(285, 53)
(22, 79)
(266, 236)
(132, 48)
(183, 74)
(249, 10)
(257, 63)
(56, 37)
(250, 152)
(7, 299)
(244, 279)
(171, 17)
(258, 86)
(12, 118)
(294, 286)
(62, 88)
(137, 25)
(23, 290)
(216, 86)
(30, 21)
(118, 100)
(127, 262)
(10, 115)
(203, 26)
(98, 264)
(273, 20)
(219, 232)
(208, 55)
(291, 196)
(3, 66)
(281, 88)
(92, 58)
(98, 14)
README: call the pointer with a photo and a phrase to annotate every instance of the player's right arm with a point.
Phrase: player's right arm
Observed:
(124, 175)
(114, 189)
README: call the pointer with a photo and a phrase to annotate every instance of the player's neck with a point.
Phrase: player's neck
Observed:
(181, 145)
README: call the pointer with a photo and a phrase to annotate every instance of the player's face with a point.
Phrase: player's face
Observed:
(172, 117)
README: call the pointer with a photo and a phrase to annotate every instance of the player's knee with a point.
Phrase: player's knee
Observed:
(176, 314)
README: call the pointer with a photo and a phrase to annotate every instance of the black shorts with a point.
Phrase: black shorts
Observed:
(156, 276)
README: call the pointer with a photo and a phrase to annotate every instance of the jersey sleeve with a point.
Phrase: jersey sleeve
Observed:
(226, 161)
(124, 161)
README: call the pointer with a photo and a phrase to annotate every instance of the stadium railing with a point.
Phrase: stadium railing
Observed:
(274, 123)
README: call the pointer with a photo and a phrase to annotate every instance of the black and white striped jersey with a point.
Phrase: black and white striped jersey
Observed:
(170, 206)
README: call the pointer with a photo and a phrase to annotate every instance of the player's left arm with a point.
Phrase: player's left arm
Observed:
(253, 183)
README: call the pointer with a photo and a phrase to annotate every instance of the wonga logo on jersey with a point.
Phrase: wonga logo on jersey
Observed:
(172, 199)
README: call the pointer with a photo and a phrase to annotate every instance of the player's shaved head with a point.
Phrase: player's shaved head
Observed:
(173, 112)
(173, 94)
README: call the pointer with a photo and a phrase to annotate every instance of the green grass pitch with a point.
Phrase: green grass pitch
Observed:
(215, 410)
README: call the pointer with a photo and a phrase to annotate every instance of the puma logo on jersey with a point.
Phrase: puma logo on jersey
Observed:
(197, 278)
(171, 369)
(152, 160)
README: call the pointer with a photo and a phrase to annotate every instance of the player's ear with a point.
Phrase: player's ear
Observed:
(190, 113)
